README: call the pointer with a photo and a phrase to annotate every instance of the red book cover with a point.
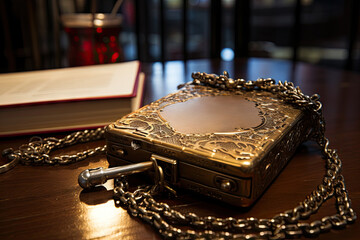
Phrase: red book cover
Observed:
(68, 98)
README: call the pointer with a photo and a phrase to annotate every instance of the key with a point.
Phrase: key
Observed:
(92, 177)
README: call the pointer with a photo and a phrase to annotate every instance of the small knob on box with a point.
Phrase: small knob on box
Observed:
(226, 185)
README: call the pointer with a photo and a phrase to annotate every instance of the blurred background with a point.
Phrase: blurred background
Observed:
(43, 34)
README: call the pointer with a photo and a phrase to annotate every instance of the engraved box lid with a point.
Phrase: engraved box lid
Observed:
(235, 128)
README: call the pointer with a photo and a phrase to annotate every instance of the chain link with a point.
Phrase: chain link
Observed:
(284, 225)
(37, 151)
(141, 203)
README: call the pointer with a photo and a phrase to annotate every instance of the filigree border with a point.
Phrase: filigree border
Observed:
(243, 145)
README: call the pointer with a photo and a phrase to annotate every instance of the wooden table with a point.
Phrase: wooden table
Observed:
(45, 202)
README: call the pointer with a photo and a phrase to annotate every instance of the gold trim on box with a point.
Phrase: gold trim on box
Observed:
(244, 147)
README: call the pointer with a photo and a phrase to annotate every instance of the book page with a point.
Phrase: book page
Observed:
(77, 83)
(66, 116)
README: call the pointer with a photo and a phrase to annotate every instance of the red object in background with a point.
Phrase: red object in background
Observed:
(93, 41)
(88, 46)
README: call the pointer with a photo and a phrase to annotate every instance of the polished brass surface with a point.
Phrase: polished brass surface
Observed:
(192, 116)
(241, 147)
(245, 135)
(281, 226)
(45, 202)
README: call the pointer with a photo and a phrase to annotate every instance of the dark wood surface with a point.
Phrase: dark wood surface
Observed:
(45, 202)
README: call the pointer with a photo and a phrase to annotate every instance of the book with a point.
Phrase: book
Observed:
(69, 98)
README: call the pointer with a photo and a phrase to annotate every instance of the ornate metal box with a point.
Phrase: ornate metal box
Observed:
(229, 145)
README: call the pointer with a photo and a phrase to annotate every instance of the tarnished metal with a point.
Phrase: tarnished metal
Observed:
(11, 157)
(281, 226)
(229, 144)
(37, 151)
(140, 203)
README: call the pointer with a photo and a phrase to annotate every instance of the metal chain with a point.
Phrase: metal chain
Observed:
(37, 151)
(284, 225)
(141, 203)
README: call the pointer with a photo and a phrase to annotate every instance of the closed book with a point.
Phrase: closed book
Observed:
(68, 98)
